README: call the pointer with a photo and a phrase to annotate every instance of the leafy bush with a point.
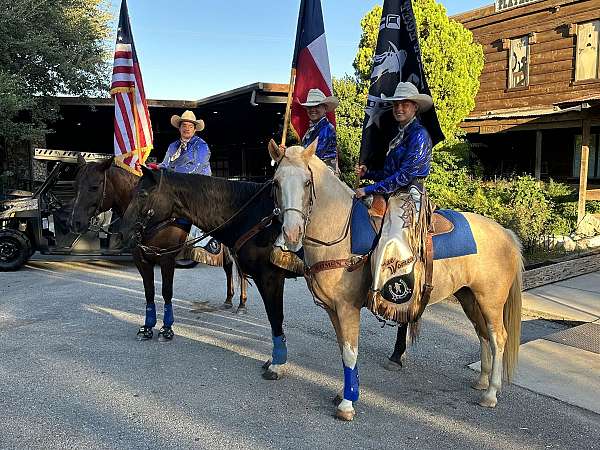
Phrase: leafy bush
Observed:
(533, 210)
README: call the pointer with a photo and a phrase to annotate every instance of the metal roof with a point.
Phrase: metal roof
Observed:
(260, 92)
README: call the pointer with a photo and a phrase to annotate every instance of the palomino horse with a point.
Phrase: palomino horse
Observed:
(103, 186)
(316, 207)
(239, 214)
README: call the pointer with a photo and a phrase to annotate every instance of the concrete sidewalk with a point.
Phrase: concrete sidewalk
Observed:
(576, 299)
(564, 365)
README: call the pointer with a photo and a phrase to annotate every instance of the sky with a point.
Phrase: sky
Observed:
(190, 49)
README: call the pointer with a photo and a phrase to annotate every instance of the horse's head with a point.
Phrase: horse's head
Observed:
(91, 193)
(293, 189)
(148, 205)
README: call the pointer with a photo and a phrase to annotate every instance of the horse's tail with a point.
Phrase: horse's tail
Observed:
(512, 314)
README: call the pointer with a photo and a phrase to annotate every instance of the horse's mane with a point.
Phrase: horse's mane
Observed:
(202, 192)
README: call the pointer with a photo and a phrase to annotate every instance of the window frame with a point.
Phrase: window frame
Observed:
(513, 41)
(578, 35)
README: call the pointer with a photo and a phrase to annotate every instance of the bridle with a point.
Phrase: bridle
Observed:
(304, 214)
(93, 223)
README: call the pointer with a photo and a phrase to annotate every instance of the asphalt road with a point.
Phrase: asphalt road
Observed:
(73, 376)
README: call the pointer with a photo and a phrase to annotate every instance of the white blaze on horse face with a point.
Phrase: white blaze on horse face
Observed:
(291, 186)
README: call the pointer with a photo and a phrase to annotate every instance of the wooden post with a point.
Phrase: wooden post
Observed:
(288, 107)
(583, 168)
(538, 154)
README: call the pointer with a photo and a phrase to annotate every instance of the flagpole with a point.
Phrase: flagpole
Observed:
(288, 107)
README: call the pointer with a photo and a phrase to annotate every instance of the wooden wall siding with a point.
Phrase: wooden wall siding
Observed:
(552, 57)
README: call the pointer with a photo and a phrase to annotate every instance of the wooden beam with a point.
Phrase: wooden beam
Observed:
(583, 168)
(538, 154)
(593, 194)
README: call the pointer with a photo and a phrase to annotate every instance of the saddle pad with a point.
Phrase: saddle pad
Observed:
(361, 229)
(459, 242)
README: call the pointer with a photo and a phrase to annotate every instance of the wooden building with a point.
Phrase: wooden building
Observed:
(538, 107)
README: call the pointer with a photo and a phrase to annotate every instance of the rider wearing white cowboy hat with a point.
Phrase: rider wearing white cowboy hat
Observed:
(408, 156)
(189, 153)
(317, 106)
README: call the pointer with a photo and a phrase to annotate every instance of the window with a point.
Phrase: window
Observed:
(594, 159)
(220, 168)
(518, 70)
(588, 56)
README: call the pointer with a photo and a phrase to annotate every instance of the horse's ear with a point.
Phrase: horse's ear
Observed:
(275, 152)
(105, 165)
(310, 151)
(80, 160)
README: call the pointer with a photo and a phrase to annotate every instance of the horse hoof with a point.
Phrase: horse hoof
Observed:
(346, 416)
(392, 366)
(166, 334)
(227, 305)
(270, 375)
(488, 402)
(242, 310)
(144, 333)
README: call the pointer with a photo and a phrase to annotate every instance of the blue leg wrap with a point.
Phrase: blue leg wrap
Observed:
(351, 383)
(150, 315)
(168, 318)
(279, 355)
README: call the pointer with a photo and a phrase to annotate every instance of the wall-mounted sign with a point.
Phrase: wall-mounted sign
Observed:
(502, 5)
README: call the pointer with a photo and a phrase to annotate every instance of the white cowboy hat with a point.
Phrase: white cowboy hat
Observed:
(316, 97)
(187, 116)
(408, 91)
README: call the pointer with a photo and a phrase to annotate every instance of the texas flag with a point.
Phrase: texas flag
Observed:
(311, 63)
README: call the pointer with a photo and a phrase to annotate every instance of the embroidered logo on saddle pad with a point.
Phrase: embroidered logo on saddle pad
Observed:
(458, 242)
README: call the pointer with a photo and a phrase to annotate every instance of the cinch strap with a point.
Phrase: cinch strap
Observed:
(279, 355)
(150, 315)
(168, 318)
(351, 383)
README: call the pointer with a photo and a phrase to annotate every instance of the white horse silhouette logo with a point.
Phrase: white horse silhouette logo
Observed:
(391, 61)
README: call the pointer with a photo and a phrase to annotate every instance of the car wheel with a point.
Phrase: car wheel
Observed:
(15, 249)
(185, 263)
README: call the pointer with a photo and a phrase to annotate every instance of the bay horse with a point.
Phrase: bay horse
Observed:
(316, 208)
(237, 213)
(101, 186)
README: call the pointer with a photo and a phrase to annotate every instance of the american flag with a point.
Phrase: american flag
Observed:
(133, 129)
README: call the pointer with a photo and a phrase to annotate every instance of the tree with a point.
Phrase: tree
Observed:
(452, 63)
(48, 48)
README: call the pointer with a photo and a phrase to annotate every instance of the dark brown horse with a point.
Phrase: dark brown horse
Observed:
(103, 186)
(230, 210)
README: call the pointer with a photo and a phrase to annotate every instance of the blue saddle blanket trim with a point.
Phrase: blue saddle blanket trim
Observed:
(459, 242)
(363, 234)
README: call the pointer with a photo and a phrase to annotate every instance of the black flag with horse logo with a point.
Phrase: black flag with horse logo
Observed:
(397, 58)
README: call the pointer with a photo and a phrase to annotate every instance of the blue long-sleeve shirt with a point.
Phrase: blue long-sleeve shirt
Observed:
(407, 159)
(327, 145)
(194, 159)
